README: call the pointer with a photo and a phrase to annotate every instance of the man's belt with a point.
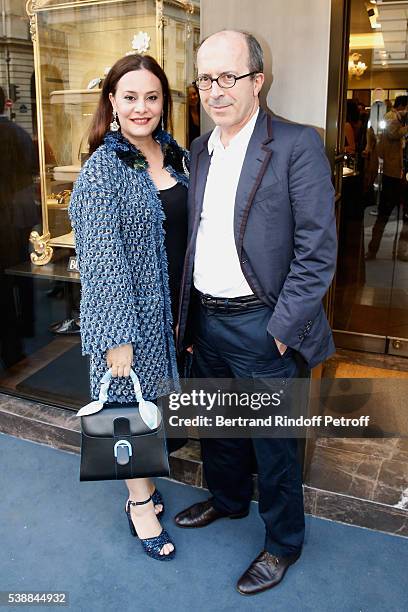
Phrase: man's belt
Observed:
(246, 302)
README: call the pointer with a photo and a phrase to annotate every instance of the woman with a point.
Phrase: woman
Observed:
(193, 113)
(129, 214)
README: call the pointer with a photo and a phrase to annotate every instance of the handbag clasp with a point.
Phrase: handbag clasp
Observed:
(122, 451)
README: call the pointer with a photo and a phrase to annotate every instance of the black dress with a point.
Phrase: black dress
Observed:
(174, 202)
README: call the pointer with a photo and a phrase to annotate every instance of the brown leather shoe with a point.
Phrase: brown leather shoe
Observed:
(265, 572)
(201, 515)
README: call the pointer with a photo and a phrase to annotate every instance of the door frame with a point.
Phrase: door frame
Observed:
(336, 108)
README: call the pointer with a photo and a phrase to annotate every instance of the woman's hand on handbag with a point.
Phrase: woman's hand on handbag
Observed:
(119, 359)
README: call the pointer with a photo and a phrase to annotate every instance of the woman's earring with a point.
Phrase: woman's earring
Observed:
(162, 121)
(114, 126)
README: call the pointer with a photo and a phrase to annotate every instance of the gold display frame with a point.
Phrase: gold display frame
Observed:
(43, 244)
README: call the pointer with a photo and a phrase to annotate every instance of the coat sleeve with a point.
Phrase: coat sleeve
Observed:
(108, 314)
(315, 241)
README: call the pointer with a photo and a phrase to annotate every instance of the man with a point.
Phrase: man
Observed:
(19, 214)
(261, 256)
(390, 148)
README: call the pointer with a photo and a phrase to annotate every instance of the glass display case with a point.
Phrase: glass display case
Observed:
(75, 44)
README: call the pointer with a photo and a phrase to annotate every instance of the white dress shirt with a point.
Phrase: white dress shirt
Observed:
(217, 269)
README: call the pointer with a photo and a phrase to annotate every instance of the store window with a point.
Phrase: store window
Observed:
(52, 67)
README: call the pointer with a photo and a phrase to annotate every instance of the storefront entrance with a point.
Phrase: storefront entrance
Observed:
(371, 293)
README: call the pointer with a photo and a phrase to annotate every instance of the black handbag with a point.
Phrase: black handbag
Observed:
(121, 441)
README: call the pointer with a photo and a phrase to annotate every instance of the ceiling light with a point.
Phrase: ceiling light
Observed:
(368, 40)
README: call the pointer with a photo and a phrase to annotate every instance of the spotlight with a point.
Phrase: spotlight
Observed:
(372, 13)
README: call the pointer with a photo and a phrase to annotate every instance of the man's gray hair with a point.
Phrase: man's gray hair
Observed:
(255, 53)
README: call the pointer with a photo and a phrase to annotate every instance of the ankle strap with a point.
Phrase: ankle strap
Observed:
(133, 503)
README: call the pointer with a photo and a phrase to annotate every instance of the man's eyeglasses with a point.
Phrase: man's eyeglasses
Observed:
(226, 80)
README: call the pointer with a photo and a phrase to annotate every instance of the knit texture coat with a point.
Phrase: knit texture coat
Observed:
(117, 218)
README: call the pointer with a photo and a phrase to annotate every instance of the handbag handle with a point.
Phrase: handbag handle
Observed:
(148, 411)
(105, 383)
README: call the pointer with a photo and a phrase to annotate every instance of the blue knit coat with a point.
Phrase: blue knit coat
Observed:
(118, 218)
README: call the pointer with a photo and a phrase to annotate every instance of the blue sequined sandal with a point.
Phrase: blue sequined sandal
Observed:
(151, 546)
(158, 499)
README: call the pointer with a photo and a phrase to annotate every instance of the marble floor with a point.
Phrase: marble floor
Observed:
(370, 468)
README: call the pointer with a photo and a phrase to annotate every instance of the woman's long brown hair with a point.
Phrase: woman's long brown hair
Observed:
(103, 115)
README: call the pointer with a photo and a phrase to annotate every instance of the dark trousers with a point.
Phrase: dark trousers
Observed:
(390, 197)
(237, 345)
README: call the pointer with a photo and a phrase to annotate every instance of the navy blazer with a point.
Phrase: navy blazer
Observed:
(284, 228)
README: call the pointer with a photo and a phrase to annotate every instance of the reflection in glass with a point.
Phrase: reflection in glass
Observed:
(193, 113)
(20, 214)
(371, 290)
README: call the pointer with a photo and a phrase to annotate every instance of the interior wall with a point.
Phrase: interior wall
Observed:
(295, 38)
